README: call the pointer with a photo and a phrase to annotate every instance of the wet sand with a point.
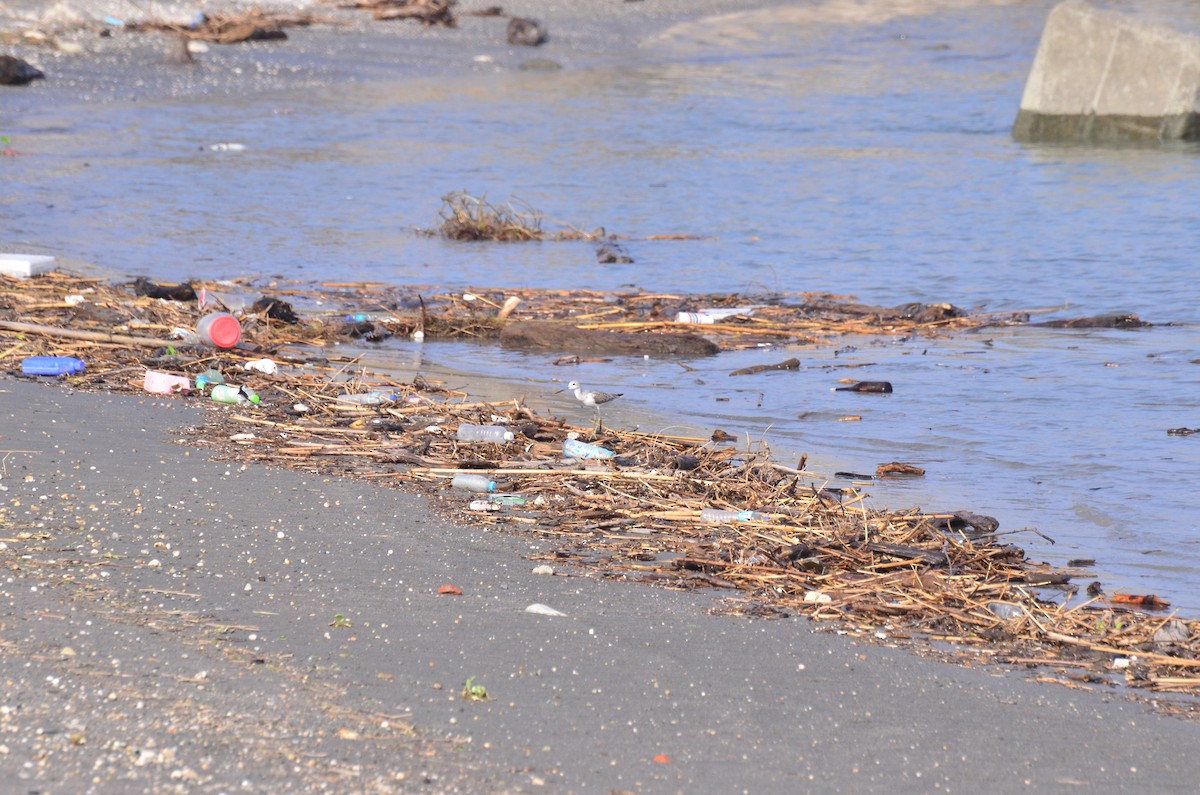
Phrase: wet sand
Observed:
(178, 624)
(105, 63)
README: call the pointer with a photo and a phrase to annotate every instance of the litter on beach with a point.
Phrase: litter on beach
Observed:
(669, 509)
(24, 266)
(51, 365)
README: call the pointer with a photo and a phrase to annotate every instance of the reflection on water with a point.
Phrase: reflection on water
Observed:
(808, 155)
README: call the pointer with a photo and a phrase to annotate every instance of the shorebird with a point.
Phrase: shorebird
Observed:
(591, 397)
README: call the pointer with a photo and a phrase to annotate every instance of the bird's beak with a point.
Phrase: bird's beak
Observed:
(560, 391)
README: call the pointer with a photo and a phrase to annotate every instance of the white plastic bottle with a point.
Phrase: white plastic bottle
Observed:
(479, 483)
(484, 433)
(368, 398)
(718, 516)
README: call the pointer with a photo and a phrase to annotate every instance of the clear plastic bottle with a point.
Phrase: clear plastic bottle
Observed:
(1005, 611)
(375, 398)
(209, 376)
(718, 516)
(224, 393)
(479, 483)
(484, 433)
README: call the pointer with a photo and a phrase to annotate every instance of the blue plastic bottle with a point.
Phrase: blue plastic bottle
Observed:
(51, 365)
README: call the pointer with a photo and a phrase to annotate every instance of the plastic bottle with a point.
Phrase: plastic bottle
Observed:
(573, 448)
(478, 483)
(220, 329)
(484, 433)
(718, 516)
(51, 365)
(364, 317)
(1005, 611)
(209, 376)
(369, 398)
(710, 316)
(223, 393)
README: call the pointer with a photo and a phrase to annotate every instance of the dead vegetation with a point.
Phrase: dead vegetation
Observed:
(256, 24)
(468, 218)
(464, 217)
(252, 25)
(904, 576)
(429, 12)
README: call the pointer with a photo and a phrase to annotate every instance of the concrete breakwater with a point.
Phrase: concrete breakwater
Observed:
(1105, 77)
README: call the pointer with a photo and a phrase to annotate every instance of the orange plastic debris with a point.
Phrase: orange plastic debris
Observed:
(452, 590)
(662, 759)
(1140, 600)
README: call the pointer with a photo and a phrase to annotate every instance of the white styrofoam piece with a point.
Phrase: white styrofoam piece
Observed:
(25, 265)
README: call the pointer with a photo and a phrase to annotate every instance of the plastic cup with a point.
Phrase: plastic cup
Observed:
(165, 383)
(220, 329)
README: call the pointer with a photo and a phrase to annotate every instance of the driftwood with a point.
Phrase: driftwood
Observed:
(1112, 320)
(787, 364)
(898, 469)
(254, 25)
(76, 334)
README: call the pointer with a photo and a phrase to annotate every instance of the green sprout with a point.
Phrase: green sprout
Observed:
(474, 692)
(341, 622)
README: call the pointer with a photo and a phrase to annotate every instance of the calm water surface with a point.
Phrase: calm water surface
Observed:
(871, 159)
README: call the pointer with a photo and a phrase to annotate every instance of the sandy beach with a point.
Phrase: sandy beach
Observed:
(177, 623)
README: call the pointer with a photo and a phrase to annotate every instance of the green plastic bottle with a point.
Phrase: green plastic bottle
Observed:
(224, 393)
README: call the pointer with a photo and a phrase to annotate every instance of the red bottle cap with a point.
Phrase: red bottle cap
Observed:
(222, 330)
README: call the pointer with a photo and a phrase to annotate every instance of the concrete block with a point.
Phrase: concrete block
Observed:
(25, 265)
(1101, 76)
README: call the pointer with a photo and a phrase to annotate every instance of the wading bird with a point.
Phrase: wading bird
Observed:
(591, 397)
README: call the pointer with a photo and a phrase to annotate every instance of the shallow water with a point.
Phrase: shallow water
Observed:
(871, 158)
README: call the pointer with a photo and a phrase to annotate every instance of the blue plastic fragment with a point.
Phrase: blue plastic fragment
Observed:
(51, 365)
(573, 448)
